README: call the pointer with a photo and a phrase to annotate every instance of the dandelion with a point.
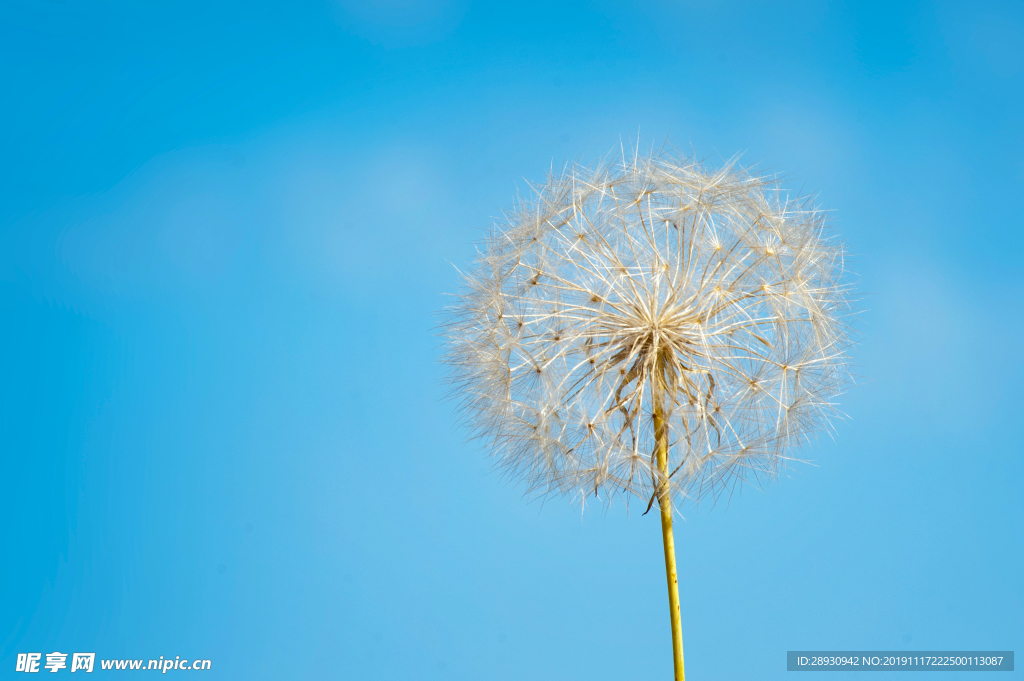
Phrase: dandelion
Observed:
(657, 329)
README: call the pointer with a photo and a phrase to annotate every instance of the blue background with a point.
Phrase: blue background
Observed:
(226, 228)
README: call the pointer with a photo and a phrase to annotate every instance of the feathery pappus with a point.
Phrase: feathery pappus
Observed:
(651, 298)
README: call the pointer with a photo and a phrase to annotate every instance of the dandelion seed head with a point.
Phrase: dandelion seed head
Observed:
(655, 281)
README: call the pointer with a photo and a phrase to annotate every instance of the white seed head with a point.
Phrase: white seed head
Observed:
(658, 285)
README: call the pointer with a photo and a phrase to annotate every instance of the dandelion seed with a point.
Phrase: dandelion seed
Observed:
(700, 335)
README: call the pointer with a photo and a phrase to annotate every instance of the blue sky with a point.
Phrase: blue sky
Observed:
(225, 230)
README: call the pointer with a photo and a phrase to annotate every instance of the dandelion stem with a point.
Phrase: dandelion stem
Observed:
(665, 502)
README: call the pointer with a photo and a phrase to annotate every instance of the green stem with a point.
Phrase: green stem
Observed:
(665, 502)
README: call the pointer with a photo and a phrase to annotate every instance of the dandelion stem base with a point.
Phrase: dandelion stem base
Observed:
(665, 502)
